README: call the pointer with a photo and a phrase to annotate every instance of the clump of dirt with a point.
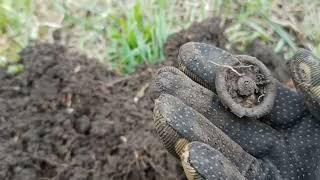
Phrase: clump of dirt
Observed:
(66, 117)
(246, 87)
(210, 31)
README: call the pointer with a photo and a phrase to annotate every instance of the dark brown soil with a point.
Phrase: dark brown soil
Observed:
(247, 89)
(242, 90)
(210, 31)
(274, 62)
(66, 117)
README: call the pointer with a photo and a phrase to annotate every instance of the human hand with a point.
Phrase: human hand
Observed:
(213, 143)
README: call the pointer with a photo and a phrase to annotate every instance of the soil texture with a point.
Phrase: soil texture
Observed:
(274, 62)
(67, 118)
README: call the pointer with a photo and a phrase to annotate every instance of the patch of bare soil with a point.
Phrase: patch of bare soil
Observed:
(273, 61)
(66, 117)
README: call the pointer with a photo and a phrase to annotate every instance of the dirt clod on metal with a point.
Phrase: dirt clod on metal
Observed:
(248, 89)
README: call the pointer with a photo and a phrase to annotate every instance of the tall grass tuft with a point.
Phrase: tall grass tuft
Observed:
(138, 39)
(16, 29)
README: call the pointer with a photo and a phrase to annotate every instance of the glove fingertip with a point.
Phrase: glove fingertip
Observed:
(162, 82)
(189, 170)
(201, 161)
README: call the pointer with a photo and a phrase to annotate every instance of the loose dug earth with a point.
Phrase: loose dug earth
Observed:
(66, 117)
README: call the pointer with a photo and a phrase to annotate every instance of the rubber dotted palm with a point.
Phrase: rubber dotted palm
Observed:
(305, 70)
(214, 143)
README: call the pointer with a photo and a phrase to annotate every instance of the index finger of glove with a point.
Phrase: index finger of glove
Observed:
(177, 124)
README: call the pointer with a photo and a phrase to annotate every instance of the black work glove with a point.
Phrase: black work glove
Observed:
(213, 143)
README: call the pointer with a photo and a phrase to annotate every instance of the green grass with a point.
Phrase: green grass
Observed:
(131, 35)
(15, 32)
(137, 39)
(127, 35)
(273, 21)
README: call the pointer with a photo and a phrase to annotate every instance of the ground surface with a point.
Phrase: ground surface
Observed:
(66, 117)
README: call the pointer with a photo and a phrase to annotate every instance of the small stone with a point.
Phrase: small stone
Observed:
(82, 125)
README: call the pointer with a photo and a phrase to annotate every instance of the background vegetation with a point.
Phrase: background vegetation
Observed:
(126, 33)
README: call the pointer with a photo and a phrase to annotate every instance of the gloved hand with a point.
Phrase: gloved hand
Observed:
(213, 143)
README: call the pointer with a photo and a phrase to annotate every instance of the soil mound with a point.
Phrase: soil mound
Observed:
(66, 117)
(274, 62)
(209, 31)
